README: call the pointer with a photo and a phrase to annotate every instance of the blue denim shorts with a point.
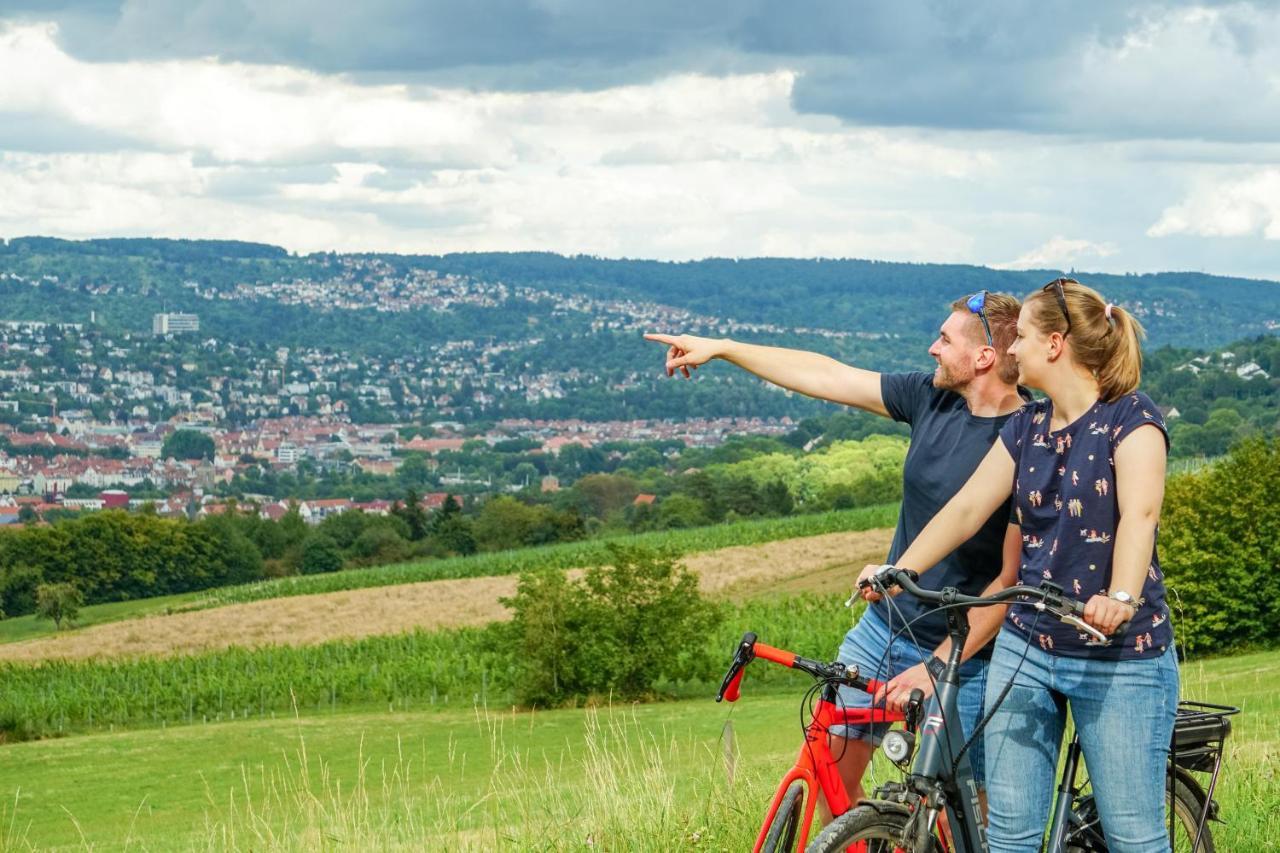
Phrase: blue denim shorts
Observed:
(869, 646)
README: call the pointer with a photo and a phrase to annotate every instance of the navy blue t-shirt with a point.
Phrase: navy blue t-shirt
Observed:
(1065, 503)
(947, 443)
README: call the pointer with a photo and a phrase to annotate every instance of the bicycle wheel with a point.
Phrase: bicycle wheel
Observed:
(1086, 835)
(781, 837)
(878, 832)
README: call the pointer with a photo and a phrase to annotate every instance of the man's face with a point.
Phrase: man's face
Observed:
(954, 350)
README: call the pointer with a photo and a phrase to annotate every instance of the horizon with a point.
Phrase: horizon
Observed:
(636, 259)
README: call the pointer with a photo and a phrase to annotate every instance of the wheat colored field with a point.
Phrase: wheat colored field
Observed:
(818, 563)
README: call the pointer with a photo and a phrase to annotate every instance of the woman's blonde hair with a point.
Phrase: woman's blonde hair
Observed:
(1104, 338)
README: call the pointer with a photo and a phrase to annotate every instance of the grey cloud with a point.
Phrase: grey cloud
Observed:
(264, 182)
(988, 65)
(43, 133)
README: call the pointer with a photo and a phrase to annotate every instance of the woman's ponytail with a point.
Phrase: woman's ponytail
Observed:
(1121, 370)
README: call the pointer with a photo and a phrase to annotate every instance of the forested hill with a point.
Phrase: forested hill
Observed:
(1178, 308)
(126, 280)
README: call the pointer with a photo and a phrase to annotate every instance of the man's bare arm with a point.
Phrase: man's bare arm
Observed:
(808, 373)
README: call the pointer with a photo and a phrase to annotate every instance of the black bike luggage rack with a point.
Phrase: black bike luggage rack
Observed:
(1198, 735)
(1199, 730)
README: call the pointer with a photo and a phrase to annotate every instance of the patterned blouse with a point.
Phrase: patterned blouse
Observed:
(1065, 503)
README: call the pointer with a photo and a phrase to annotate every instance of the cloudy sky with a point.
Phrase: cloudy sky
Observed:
(1089, 134)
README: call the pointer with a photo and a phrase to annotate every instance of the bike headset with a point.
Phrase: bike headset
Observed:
(888, 653)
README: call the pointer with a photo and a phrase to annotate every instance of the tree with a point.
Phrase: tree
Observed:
(18, 586)
(606, 493)
(455, 535)
(27, 514)
(320, 554)
(503, 523)
(414, 471)
(60, 602)
(187, 444)
(775, 498)
(413, 515)
(681, 510)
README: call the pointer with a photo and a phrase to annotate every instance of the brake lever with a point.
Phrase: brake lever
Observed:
(1080, 625)
(876, 582)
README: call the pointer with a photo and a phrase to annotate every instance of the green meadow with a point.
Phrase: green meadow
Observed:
(650, 777)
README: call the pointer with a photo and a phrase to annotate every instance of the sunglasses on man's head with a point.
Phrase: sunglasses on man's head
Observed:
(1055, 287)
(978, 305)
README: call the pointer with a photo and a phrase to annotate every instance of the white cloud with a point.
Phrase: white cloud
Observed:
(1060, 253)
(687, 166)
(1230, 207)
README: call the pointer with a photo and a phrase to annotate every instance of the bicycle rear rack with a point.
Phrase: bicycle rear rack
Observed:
(1199, 732)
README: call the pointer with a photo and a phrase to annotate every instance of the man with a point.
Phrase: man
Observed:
(955, 415)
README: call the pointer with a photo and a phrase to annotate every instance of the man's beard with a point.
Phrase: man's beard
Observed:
(949, 381)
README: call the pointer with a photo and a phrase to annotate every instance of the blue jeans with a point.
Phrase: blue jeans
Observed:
(879, 656)
(1124, 713)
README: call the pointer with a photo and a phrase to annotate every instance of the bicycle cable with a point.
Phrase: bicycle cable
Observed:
(987, 715)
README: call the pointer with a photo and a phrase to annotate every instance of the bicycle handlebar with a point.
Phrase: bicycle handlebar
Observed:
(1049, 598)
(750, 648)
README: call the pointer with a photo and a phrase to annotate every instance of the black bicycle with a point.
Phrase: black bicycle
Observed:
(903, 816)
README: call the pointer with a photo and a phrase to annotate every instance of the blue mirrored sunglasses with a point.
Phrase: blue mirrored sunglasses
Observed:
(978, 305)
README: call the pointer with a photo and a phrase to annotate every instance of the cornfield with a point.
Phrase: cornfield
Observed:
(455, 668)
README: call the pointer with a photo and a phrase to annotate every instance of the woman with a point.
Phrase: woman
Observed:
(1086, 467)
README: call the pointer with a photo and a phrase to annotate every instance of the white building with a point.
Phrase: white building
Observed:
(173, 324)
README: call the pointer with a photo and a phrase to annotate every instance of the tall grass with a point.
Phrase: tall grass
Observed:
(567, 555)
(452, 668)
(616, 783)
(619, 790)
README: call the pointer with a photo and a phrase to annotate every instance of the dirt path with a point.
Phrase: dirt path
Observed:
(816, 563)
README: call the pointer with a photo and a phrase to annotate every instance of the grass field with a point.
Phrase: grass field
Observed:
(649, 777)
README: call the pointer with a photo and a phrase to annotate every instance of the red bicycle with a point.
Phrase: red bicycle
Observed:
(786, 825)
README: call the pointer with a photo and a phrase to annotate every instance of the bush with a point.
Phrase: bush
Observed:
(1220, 550)
(625, 626)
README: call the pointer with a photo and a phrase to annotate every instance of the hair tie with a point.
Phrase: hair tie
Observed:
(1107, 311)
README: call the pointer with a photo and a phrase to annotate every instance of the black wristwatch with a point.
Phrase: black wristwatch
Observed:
(935, 666)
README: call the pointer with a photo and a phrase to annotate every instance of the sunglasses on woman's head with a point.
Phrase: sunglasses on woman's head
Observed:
(1055, 287)
(978, 305)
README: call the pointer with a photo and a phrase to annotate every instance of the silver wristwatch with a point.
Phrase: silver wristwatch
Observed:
(1124, 598)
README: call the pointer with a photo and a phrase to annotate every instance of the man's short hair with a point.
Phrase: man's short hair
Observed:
(1002, 316)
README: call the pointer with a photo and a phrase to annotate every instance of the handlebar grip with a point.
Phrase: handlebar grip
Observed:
(733, 691)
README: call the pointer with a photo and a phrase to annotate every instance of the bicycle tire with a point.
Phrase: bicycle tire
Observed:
(1088, 836)
(781, 837)
(881, 832)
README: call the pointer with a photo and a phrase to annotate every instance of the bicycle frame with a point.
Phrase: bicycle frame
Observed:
(941, 740)
(816, 766)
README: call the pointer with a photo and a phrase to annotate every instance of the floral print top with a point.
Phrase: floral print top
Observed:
(1065, 503)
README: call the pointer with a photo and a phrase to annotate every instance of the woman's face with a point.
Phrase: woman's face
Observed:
(1030, 350)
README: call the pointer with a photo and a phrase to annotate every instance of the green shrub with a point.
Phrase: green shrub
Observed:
(1220, 550)
(625, 626)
